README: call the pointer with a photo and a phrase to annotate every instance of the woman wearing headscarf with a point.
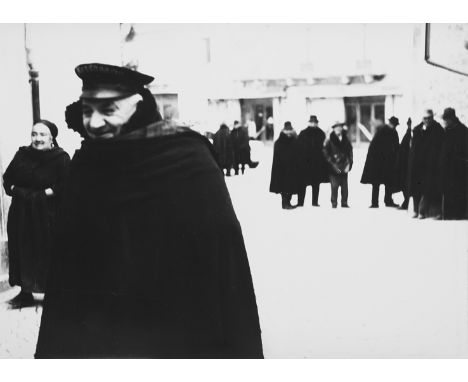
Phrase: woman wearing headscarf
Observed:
(34, 180)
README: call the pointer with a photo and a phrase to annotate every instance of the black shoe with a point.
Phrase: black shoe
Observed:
(334, 206)
(288, 207)
(403, 207)
(253, 164)
(299, 205)
(315, 205)
(21, 300)
(374, 206)
(391, 204)
(344, 206)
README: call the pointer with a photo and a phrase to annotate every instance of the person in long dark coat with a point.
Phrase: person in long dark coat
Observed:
(425, 187)
(149, 260)
(381, 162)
(241, 147)
(285, 168)
(404, 165)
(338, 152)
(34, 180)
(223, 146)
(454, 167)
(314, 168)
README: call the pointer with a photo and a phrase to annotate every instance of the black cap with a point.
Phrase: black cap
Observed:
(449, 114)
(394, 121)
(313, 118)
(109, 81)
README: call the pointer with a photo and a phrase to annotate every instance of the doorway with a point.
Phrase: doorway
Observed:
(360, 112)
(258, 110)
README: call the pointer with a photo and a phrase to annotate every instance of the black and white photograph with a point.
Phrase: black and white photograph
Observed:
(234, 190)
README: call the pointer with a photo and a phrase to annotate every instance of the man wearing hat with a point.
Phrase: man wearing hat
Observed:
(454, 167)
(381, 162)
(149, 259)
(313, 167)
(338, 153)
(425, 186)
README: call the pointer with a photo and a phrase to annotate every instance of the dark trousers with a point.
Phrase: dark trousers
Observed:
(406, 200)
(315, 195)
(375, 194)
(337, 181)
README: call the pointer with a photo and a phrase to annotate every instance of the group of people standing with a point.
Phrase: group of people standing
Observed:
(430, 165)
(233, 148)
(309, 159)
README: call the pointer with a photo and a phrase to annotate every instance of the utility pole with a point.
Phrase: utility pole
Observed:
(33, 76)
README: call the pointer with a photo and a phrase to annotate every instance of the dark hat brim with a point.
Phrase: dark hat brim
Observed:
(121, 80)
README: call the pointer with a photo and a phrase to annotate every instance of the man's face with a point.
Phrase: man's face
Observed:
(447, 123)
(427, 118)
(104, 118)
(313, 124)
(338, 129)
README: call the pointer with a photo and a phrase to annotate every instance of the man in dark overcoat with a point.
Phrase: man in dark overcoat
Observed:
(285, 167)
(403, 165)
(454, 167)
(425, 187)
(338, 152)
(381, 162)
(149, 258)
(241, 147)
(314, 168)
(223, 145)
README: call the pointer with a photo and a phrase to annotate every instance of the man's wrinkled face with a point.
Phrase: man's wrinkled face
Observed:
(104, 118)
(41, 138)
(338, 129)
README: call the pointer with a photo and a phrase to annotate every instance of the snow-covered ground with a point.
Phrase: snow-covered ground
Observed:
(353, 283)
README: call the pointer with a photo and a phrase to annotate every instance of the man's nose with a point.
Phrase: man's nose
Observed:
(96, 121)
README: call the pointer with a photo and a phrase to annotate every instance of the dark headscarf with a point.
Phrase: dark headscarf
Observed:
(53, 129)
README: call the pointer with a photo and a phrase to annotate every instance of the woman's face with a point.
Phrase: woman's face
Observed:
(41, 138)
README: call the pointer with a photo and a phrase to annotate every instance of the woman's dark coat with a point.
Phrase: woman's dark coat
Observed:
(425, 160)
(285, 175)
(32, 213)
(223, 146)
(314, 168)
(241, 145)
(382, 155)
(150, 259)
(454, 171)
(338, 154)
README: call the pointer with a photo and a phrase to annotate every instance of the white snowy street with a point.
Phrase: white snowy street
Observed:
(352, 283)
(343, 283)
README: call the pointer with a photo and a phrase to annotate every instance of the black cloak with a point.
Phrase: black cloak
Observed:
(32, 213)
(454, 171)
(381, 160)
(425, 160)
(285, 168)
(150, 259)
(314, 167)
(241, 145)
(403, 163)
(222, 143)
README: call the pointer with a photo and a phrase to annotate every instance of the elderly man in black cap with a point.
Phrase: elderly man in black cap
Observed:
(454, 167)
(381, 162)
(149, 259)
(314, 169)
(338, 152)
